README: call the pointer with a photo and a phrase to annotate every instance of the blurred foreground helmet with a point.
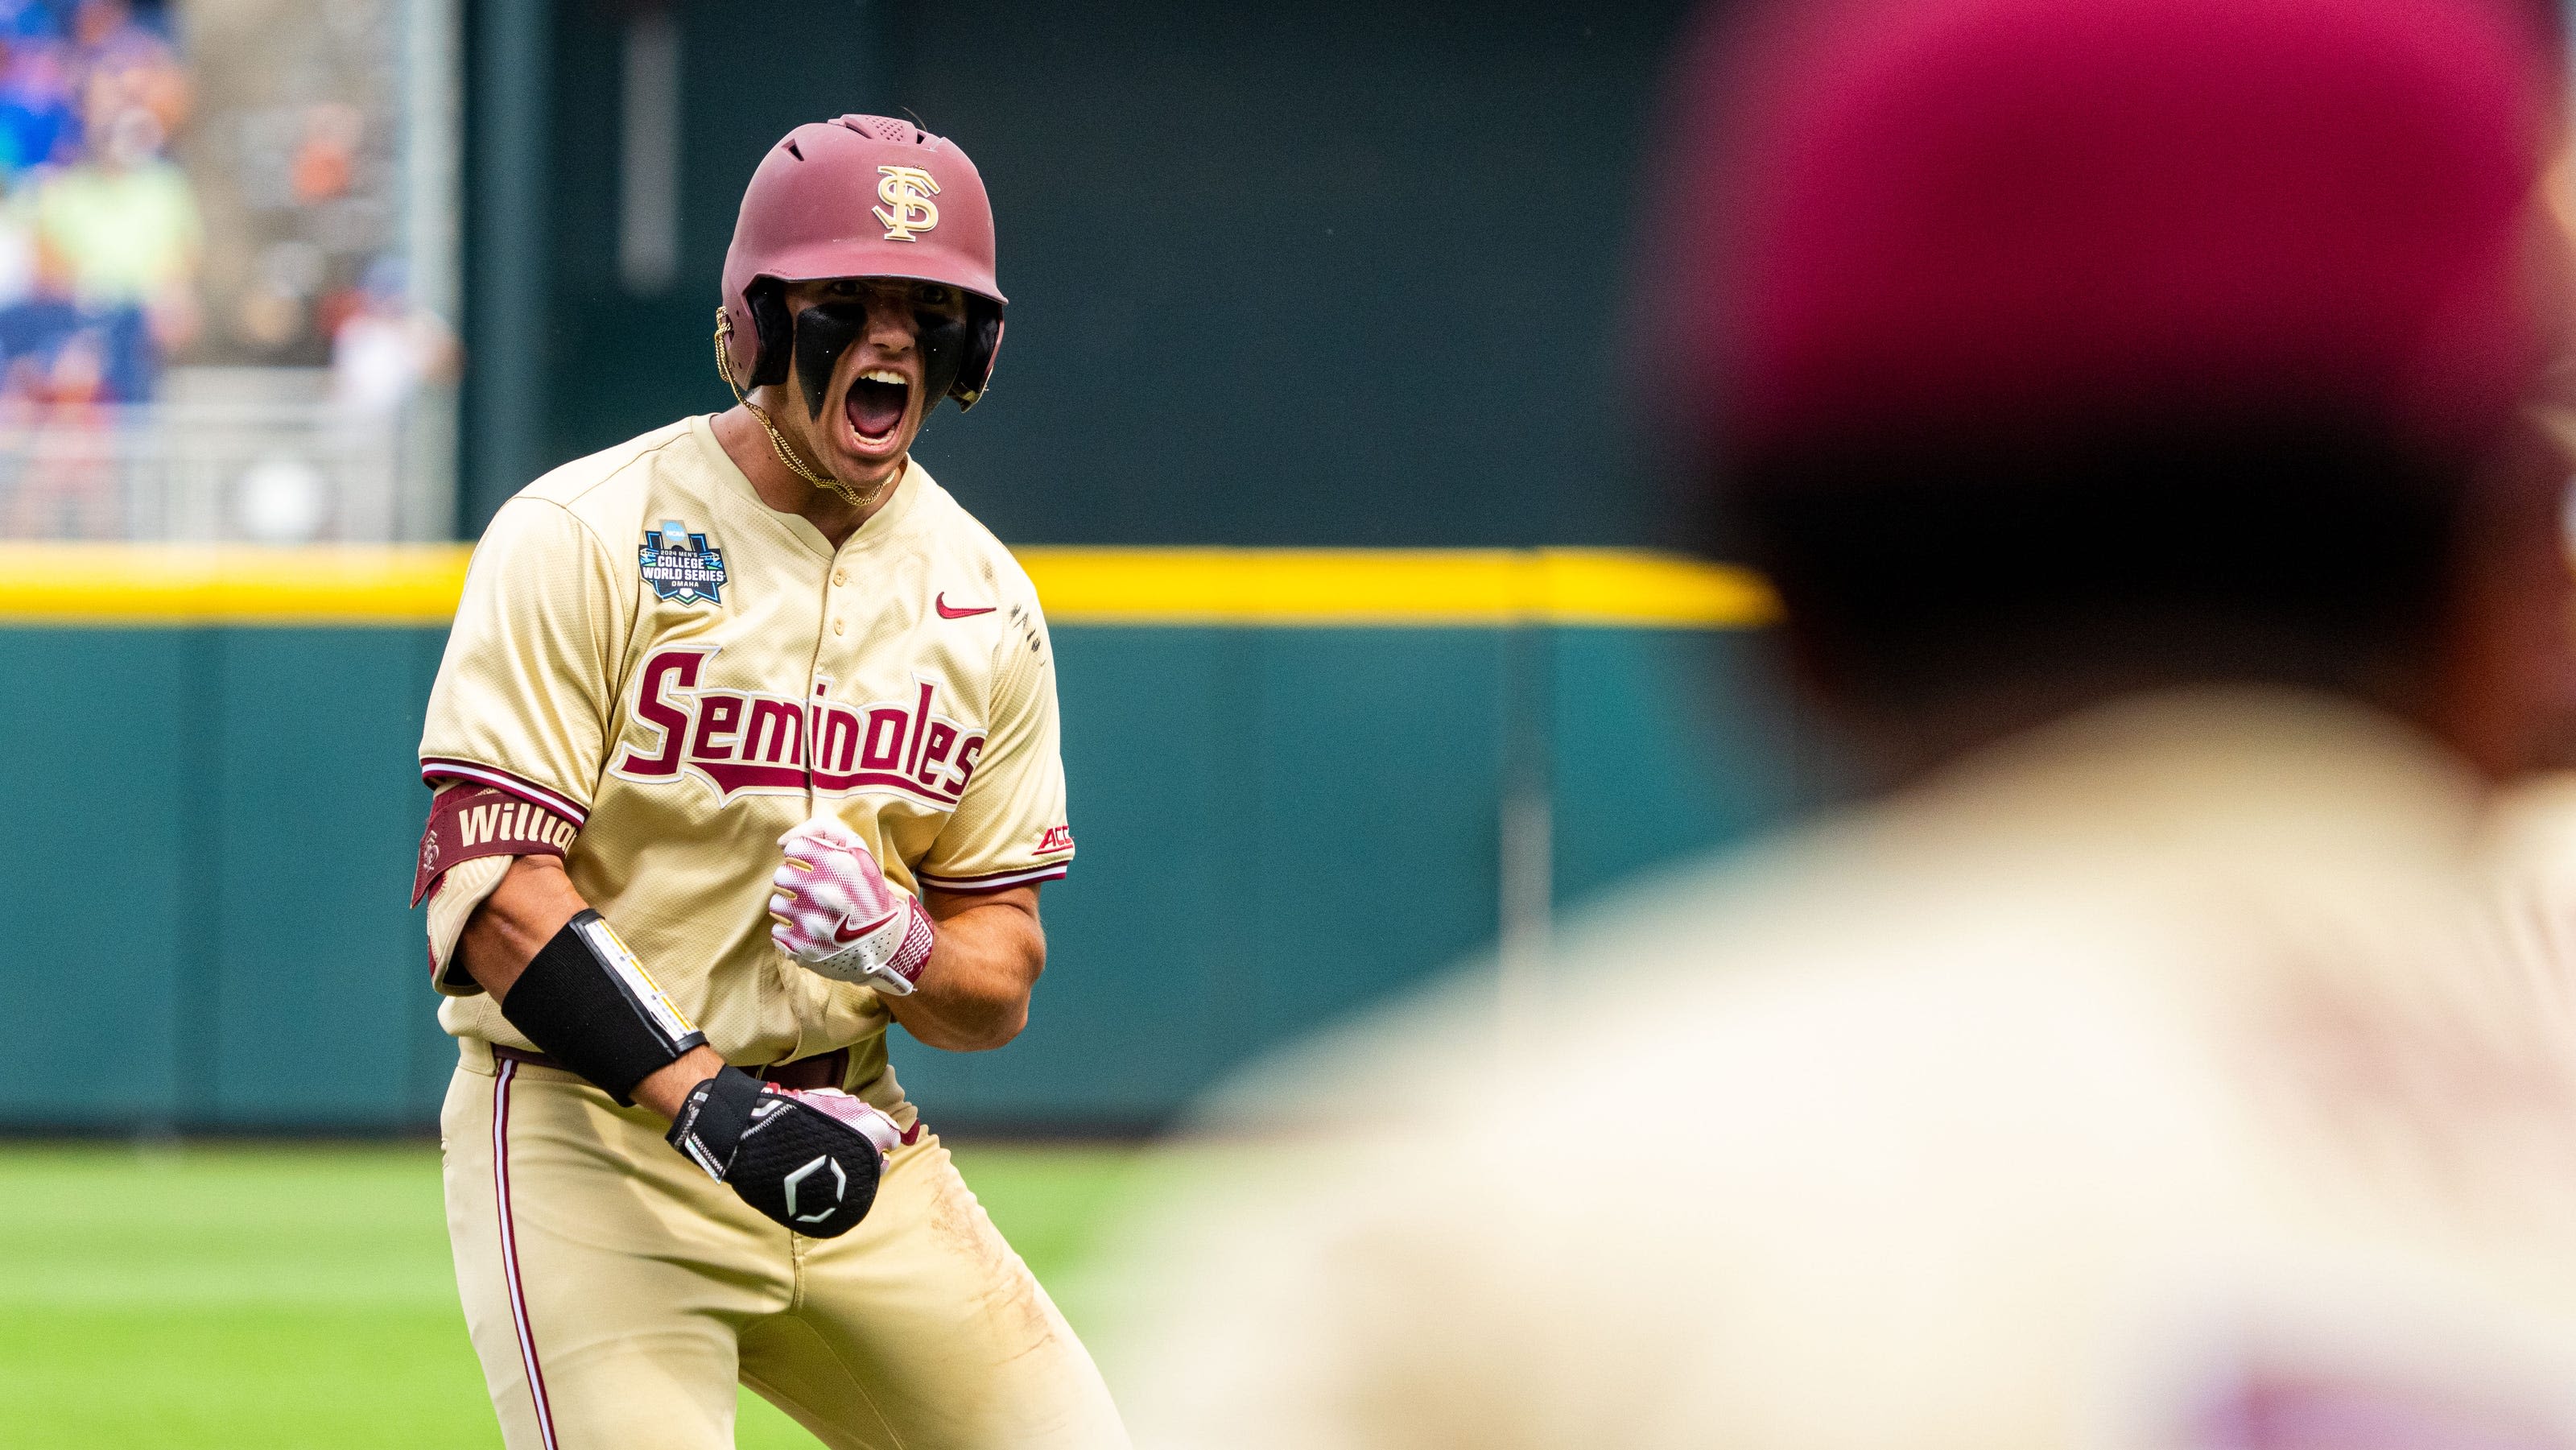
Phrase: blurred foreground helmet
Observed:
(863, 196)
(1935, 218)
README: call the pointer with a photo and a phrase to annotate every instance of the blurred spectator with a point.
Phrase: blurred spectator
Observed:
(123, 222)
(38, 122)
(113, 355)
(62, 368)
(326, 155)
(2130, 401)
(59, 369)
(105, 268)
(387, 347)
(384, 348)
(124, 66)
(272, 312)
(99, 246)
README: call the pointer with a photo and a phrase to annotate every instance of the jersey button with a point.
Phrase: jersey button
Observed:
(840, 576)
(836, 626)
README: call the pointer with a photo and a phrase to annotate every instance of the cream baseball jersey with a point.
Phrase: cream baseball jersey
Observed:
(2149, 1081)
(654, 674)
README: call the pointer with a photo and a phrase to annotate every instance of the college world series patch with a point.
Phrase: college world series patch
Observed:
(679, 565)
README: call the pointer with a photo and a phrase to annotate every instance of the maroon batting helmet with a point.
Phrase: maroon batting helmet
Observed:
(2014, 333)
(2017, 212)
(863, 196)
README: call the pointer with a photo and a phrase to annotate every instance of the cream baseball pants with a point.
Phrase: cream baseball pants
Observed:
(616, 1294)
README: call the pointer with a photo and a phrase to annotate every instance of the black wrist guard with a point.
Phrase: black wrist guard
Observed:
(802, 1168)
(585, 1002)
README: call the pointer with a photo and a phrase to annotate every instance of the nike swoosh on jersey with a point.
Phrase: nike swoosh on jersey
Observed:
(946, 612)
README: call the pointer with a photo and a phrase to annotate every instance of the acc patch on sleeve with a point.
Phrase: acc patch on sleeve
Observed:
(469, 821)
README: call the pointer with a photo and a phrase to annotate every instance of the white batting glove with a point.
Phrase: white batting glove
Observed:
(839, 916)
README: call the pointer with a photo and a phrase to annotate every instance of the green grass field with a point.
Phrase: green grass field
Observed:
(290, 1297)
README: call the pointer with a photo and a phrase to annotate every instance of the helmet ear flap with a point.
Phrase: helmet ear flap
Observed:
(774, 331)
(983, 346)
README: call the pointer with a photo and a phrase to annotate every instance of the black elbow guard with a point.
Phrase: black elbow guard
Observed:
(586, 1002)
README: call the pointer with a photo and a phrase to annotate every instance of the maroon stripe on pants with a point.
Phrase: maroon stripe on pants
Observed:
(510, 1249)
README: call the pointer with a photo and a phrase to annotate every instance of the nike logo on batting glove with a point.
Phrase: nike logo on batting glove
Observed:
(827, 886)
(844, 933)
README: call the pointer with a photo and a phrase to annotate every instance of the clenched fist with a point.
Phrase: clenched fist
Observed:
(809, 1160)
(838, 915)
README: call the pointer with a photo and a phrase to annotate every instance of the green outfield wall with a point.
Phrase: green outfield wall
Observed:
(214, 820)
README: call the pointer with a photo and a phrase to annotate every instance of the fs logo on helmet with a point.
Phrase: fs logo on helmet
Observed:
(908, 190)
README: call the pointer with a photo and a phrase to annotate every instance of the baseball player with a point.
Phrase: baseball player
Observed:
(745, 748)
(2131, 401)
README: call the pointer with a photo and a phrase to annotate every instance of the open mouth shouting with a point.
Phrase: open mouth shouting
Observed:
(859, 365)
(877, 402)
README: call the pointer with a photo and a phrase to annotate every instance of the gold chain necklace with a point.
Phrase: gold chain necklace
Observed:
(777, 444)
